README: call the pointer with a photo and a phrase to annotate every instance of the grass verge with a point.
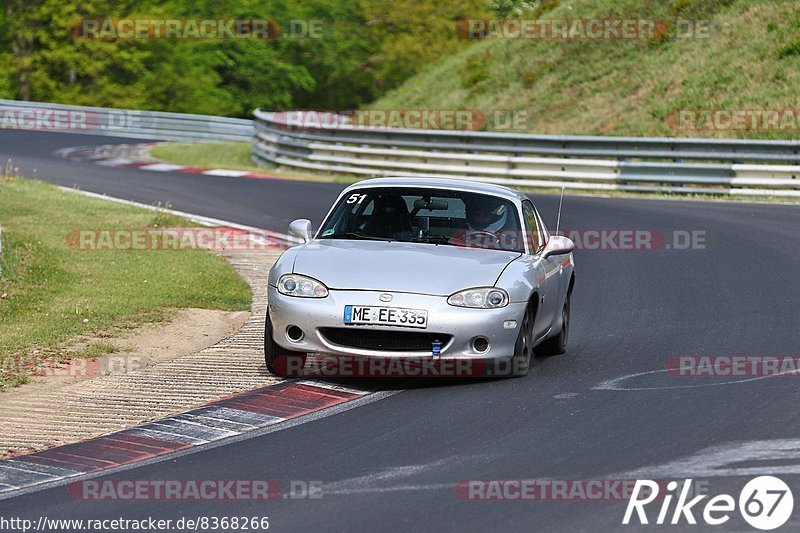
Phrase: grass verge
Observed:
(233, 155)
(50, 293)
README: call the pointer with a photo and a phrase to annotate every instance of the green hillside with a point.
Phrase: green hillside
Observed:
(749, 61)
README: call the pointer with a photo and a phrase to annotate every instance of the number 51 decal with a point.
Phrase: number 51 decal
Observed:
(356, 198)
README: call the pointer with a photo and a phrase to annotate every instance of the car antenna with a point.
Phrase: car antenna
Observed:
(560, 202)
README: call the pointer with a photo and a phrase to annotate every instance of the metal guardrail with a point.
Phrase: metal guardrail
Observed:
(136, 124)
(705, 166)
(709, 166)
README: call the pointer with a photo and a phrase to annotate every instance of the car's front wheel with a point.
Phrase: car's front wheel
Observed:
(280, 361)
(558, 344)
(523, 349)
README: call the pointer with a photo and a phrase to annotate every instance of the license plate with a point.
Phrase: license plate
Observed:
(385, 316)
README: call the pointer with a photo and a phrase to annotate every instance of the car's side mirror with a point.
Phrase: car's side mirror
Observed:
(301, 228)
(558, 245)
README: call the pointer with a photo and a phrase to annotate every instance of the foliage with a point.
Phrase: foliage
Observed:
(366, 48)
(791, 49)
(716, 55)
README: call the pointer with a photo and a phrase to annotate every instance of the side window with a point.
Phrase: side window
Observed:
(544, 235)
(532, 228)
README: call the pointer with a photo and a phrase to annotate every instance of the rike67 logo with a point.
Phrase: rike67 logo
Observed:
(765, 503)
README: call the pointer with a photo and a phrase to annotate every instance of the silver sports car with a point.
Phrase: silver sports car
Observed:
(431, 269)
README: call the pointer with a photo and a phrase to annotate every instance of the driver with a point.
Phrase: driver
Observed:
(486, 218)
(486, 214)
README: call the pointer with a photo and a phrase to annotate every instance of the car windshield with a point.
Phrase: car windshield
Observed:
(434, 216)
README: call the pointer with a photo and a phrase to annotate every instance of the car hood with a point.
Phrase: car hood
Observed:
(400, 267)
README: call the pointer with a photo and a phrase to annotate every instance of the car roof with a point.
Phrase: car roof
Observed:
(442, 183)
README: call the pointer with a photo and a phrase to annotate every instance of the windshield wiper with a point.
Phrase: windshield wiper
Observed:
(437, 239)
(359, 236)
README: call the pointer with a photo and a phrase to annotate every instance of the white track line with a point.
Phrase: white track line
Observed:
(615, 384)
(118, 162)
(162, 167)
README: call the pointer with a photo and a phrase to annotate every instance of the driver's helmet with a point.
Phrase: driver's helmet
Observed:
(486, 213)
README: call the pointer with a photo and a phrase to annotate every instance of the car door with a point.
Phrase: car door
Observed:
(550, 269)
(534, 266)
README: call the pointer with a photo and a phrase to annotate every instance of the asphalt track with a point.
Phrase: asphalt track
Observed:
(393, 464)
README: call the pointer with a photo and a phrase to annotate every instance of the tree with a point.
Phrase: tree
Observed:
(366, 48)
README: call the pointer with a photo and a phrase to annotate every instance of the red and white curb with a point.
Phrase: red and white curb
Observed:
(223, 419)
(103, 155)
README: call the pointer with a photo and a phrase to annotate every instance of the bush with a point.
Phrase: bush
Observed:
(475, 70)
(791, 49)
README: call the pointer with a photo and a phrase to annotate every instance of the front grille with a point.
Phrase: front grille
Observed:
(390, 341)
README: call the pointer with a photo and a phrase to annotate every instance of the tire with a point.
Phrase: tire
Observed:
(523, 349)
(558, 345)
(279, 361)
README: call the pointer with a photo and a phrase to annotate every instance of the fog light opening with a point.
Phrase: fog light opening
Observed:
(480, 344)
(294, 333)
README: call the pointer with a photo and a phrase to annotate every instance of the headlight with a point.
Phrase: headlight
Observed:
(485, 298)
(301, 286)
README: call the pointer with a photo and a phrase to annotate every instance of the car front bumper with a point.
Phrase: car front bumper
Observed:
(463, 325)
